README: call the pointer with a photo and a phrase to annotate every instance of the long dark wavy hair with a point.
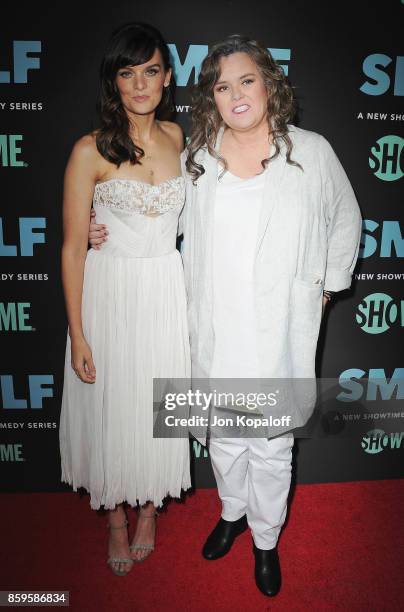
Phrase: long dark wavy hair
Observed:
(130, 45)
(206, 119)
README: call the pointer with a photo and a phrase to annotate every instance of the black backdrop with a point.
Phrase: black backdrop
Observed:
(345, 62)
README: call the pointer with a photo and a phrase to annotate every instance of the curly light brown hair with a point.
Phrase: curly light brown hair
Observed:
(206, 119)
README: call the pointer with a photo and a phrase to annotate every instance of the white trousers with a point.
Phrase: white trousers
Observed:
(253, 478)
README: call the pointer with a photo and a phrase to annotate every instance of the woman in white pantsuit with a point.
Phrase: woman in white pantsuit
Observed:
(271, 227)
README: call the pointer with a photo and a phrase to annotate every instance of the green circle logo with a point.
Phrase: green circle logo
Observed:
(376, 313)
(374, 441)
(385, 158)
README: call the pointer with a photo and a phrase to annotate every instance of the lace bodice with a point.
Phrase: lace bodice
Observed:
(134, 196)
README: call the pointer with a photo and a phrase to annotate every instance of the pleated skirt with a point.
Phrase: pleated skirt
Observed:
(135, 321)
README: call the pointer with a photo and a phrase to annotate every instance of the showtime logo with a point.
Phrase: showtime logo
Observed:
(10, 150)
(386, 158)
(11, 452)
(377, 312)
(376, 441)
(14, 316)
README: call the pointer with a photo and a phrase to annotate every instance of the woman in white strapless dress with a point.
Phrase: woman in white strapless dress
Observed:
(126, 303)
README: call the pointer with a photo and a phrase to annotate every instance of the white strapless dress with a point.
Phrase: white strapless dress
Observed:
(135, 321)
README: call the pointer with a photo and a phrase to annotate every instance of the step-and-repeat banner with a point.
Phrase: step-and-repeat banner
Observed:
(346, 63)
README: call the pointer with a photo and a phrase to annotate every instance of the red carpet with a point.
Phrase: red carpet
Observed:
(341, 550)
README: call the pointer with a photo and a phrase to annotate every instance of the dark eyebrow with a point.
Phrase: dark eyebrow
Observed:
(148, 67)
(241, 78)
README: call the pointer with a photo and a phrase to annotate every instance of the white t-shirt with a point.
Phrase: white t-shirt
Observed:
(236, 217)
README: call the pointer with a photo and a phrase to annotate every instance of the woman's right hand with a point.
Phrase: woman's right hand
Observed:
(82, 360)
(97, 233)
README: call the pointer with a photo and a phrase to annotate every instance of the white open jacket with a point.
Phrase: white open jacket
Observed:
(308, 241)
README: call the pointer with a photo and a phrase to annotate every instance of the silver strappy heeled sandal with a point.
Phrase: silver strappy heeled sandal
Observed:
(113, 560)
(148, 547)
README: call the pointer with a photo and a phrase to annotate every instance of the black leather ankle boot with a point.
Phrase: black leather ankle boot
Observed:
(222, 537)
(267, 571)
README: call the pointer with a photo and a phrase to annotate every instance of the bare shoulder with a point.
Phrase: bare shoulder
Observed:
(85, 148)
(85, 157)
(174, 131)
